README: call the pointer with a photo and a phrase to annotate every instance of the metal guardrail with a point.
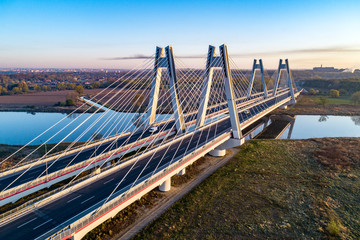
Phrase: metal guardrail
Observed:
(65, 231)
(79, 224)
(92, 144)
(49, 177)
(59, 173)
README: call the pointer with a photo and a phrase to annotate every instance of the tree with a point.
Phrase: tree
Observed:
(16, 90)
(312, 91)
(61, 86)
(79, 89)
(323, 101)
(343, 92)
(44, 88)
(69, 102)
(334, 93)
(3, 90)
(356, 98)
(37, 88)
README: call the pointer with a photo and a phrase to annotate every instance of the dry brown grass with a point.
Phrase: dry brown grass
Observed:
(338, 154)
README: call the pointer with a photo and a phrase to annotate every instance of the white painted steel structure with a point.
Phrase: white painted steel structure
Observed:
(242, 113)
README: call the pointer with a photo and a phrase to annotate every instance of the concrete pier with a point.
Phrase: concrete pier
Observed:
(165, 186)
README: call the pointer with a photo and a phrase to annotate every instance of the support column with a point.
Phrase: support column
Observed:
(277, 77)
(200, 119)
(178, 113)
(293, 100)
(155, 87)
(252, 78)
(263, 78)
(182, 172)
(165, 186)
(291, 129)
(234, 117)
(218, 152)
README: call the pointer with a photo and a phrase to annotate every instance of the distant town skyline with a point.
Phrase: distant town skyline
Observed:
(100, 34)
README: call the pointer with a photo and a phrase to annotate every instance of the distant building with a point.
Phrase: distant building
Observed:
(327, 69)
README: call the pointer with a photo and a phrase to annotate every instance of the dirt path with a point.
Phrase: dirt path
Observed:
(174, 195)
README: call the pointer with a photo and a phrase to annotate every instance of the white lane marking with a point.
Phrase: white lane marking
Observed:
(27, 222)
(42, 224)
(108, 181)
(73, 199)
(87, 200)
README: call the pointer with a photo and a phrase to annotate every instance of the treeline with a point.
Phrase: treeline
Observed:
(23, 83)
(347, 86)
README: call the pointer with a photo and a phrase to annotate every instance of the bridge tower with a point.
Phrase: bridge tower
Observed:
(222, 62)
(284, 67)
(160, 63)
(257, 66)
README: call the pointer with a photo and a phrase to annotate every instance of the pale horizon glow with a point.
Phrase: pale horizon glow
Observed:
(93, 34)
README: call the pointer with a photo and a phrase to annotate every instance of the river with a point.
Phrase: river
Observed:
(18, 128)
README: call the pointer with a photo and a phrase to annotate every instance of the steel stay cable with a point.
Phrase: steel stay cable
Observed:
(33, 164)
(59, 122)
(128, 173)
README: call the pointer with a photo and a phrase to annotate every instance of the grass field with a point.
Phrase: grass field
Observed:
(286, 189)
(308, 104)
(346, 100)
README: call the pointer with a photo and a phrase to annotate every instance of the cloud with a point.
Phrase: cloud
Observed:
(304, 51)
(293, 51)
(137, 56)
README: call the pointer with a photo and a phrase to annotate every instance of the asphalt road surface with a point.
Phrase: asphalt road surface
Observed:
(58, 214)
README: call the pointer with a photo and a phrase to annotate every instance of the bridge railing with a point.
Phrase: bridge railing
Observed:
(115, 202)
(54, 156)
(94, 160)
(83, 222)
(60, 175)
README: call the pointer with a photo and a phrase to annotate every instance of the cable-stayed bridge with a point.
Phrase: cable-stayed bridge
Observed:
(207, 111)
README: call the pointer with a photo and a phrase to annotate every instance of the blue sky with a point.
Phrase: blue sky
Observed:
(89, 33)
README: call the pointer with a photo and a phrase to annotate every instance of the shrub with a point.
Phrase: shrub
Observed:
(79, 89)
(323, 101)
(70, 102)
(333, 228)
(312, 91)
(334, 93)
(343, 92)
(356, 98)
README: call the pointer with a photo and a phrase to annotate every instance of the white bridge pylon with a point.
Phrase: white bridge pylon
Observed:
(257, 66)
(212, 62)
(282, 67)
(161, 62)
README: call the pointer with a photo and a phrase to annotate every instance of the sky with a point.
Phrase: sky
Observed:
(97, 34)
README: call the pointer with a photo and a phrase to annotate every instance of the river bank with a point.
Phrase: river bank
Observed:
(311, 105)
(44, 102)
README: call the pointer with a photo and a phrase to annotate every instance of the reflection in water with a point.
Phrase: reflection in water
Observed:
(323, 118)
(356, 120)
(316, 126)
(137, 120)
(73, 115)
(22, 127)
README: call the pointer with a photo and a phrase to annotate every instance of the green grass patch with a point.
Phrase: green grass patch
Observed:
(270, 190)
